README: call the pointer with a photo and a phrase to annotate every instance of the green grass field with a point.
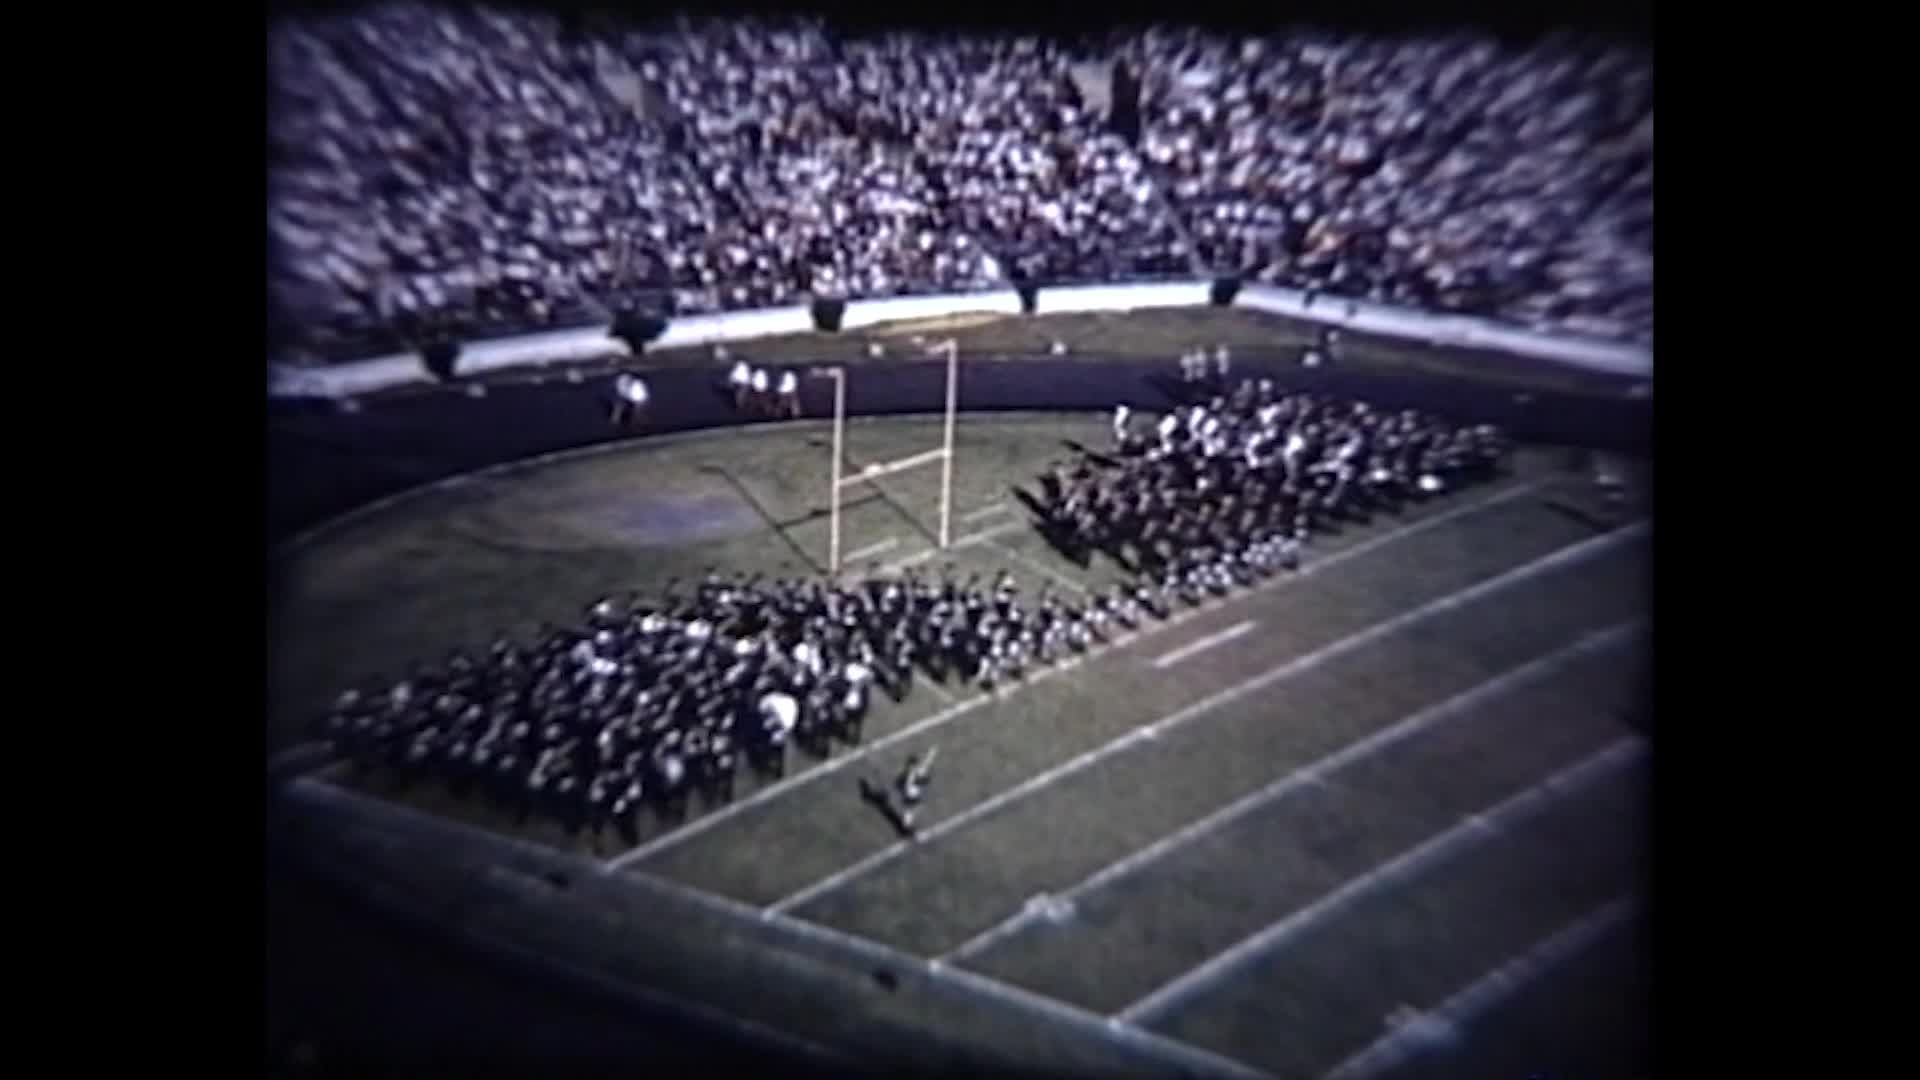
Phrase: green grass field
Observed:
(1456, 658)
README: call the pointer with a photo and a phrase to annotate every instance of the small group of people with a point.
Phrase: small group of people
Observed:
(758, 392)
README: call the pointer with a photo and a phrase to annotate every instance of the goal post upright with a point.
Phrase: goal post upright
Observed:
(952, 348)
(876, 470)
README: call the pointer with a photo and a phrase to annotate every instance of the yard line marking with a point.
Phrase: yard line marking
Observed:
(872, 549)
(1191, 648)
(968, 540)
(1162, 1050)
(986, 511)
(1312, 773)
(1169, 1050)
(1490, 989)
(1579, 552)
(832, 765)
(1038, 567)
(936, 690)
(1474, 830)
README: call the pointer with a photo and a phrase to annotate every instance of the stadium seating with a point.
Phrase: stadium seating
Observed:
(442, 173)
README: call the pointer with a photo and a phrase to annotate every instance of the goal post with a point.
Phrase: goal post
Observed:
(874, 471)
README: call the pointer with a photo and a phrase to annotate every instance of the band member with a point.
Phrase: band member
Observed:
(912, 783)
(789, 405)
(630, 399)
(740, 382)
(761, 386)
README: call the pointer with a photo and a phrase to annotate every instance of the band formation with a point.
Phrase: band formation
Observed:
(648, 703)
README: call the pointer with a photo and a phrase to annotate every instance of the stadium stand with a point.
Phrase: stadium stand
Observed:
(443, 173)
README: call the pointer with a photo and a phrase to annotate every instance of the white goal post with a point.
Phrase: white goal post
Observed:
(878, 469)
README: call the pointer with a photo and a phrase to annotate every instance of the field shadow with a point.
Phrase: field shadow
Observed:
(779, 527)
(879, 493)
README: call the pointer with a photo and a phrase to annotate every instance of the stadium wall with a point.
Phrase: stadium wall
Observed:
(594, 343)
(325, 462)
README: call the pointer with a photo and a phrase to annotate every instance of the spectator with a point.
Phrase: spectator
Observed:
(472, 172)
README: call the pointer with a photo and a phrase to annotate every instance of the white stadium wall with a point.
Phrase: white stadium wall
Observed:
(687, 330)
(594, 343)
(898, 308)
(1066, 299)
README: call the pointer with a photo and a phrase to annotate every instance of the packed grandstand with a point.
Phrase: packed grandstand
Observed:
(470, 173)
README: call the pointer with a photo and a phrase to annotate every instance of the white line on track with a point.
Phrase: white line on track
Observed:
(1167, 1049)
(1487, 991)
(1166, 1053)
(1201, 645)
(872, 549)
(966, 541)
(1039, 567)
(832, 765)
(1575, 553)
(986, 511)
(1458, 705)
(1474, 830)
(935, 689)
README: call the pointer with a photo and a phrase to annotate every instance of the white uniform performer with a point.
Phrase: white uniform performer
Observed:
(630, 398)
(761, 384)
(740, 381)
(778, 713)
(789, 394)
(1120, 416)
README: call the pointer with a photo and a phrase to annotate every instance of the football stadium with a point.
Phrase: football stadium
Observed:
(1126, 639)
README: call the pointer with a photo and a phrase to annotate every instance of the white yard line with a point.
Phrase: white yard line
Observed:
(1167, 1049)
(935, 689)
(1193, 648)
(832, 765)
(1474, 830)
(986, 511)
(969, 540)
(1039, 567)
(872, 549)
(1165, 1053)
(1487, 991)
(1313, 773)
(1579, 552)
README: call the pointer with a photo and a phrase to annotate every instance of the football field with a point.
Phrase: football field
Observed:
(1386, 816)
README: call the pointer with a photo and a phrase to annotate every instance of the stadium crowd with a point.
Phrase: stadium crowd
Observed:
(442, 169)
(646, 704)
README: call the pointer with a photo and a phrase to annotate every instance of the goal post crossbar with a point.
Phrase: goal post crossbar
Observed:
(887, 468)
(942, 453)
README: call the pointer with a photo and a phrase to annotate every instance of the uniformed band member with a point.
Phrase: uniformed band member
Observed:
(1193, 365)
(761, 386)
(1230, 488)
(630, 399)
(654, 706)
(649, 705)
(912, 783)
(740, 382)
(789, 403)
